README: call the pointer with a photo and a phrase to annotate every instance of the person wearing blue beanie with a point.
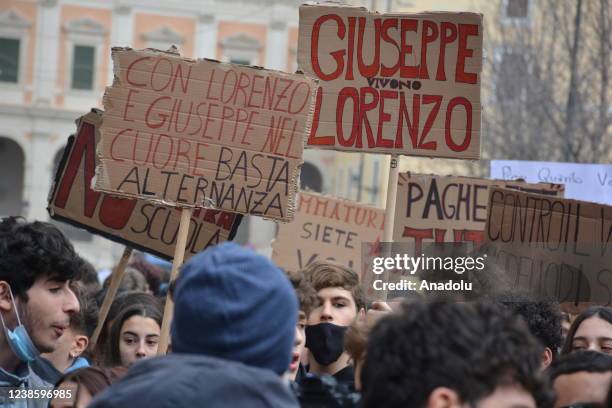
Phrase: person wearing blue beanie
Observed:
(231, 303)
(232, 336)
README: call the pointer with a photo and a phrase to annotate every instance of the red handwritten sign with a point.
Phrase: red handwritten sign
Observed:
(394, 83)
(203, 133)
(448, 208)
(138, 223)
(327, 228)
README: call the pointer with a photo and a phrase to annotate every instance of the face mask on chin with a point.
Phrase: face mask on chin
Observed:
(325, 341)
(18, 338)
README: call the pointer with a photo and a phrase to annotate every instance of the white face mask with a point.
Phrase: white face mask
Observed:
(18, 338)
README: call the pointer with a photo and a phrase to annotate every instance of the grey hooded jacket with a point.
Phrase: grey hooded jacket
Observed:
(190, 380)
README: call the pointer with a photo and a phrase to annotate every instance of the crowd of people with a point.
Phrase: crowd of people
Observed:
(245, 333)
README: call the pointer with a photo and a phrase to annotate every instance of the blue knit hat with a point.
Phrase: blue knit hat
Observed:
(232, 303)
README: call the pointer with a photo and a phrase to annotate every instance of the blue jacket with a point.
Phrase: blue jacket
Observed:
(191, 380)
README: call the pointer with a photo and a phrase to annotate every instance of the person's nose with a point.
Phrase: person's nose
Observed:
(141, 351)
(299, 339)
(593, 346)
(326, 313)
(71, 304)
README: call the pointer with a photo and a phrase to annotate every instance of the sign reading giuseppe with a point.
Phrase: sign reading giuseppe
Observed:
(394, 83)
(551, 247)
(448, 208)
(326, 228)
(203, 133)
(134, 222)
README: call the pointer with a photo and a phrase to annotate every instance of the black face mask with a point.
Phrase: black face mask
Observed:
(325, 341)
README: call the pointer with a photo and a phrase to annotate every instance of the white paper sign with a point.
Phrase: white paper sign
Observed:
(588, 182)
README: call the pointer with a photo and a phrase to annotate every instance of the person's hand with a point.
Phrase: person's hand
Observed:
(378, 310)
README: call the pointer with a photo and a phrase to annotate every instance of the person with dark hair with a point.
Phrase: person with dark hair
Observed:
(543, 318)
(89, 278)
(68, 356)
(582, 378)
(37, 266)
(133, 281)
(235, 314)
(134, 333)
(591, 330)
(152, 273)
(307, 300)
(123, 301)
(450, 354)
(78, 388)
(341, 301)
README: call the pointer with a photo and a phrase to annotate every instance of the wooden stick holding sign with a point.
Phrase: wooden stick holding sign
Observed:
(115, 281)
(179, 254)
(390, 210)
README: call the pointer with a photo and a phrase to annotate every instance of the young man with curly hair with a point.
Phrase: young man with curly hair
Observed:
(434, 355)
(37, 265)
(543, 317)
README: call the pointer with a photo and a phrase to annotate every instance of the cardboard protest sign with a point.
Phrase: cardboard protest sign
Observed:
(394, 83)
(201, 133)
(433, 208)
(137, 223)
(326, 228)
(551, 247)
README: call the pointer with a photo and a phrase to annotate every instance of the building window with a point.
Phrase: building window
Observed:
(517, 8)
(241, 49)
(240, 61)
(511, 77)
(311, 178)
(9, 60)
(84, 46)
(12, 168)
(13, 40)
(83, 63)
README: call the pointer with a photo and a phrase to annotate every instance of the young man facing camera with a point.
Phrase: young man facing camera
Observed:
(341, 301)
(37, 264)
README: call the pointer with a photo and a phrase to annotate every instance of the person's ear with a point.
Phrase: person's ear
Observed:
(547, 358)
(443, 397)
(79, 345)
(5, 297)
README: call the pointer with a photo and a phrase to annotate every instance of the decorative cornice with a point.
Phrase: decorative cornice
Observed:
(164, 34)
(206, 18)
(241, 41)
(123, 9)
(48, 3)
(85, 26)
(12, 19)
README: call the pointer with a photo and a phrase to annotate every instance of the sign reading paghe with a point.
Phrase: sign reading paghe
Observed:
(433, 208)
(394, 83)
(203, 133)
